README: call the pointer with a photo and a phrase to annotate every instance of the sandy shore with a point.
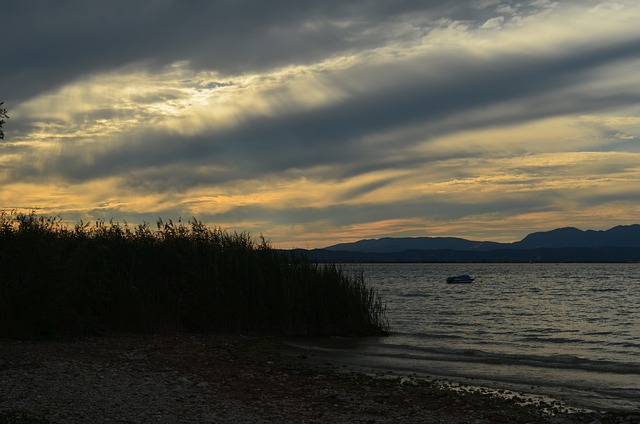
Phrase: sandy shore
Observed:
(232, 379)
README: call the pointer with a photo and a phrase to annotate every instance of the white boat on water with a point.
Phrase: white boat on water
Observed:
(460, 279)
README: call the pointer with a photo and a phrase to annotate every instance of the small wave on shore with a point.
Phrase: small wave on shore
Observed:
(575, 383)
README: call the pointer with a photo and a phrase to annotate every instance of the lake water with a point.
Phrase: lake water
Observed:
(571, 331)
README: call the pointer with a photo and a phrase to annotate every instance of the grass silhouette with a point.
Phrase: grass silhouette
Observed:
(107, 277)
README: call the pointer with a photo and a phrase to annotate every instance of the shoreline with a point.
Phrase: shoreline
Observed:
(362, 357)
(224, 379)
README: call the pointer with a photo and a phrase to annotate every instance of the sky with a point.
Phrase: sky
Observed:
(321, 122)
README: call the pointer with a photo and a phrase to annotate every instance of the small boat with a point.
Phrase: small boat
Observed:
(460, 279)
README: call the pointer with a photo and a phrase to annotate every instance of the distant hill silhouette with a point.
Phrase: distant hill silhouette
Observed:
(618, 244)
(389, 244)
(620, 236)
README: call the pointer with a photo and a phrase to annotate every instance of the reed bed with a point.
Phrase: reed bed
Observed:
(107, 277)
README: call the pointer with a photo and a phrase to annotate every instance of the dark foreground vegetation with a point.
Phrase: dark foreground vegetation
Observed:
(107, 277)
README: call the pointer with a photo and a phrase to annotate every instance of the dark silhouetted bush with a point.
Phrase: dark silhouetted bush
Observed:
(106, 277)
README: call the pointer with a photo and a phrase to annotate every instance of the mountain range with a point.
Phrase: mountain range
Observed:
(618, 244)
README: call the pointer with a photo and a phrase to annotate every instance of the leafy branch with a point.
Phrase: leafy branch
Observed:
(3, 114)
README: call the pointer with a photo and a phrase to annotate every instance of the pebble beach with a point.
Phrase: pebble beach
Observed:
(234, 379)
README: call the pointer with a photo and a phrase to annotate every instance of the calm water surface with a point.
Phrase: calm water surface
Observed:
(571, 331)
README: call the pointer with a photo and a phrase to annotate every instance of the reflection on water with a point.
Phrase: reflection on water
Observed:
(570, 329)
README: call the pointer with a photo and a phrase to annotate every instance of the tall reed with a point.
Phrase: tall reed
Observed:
(106, 277)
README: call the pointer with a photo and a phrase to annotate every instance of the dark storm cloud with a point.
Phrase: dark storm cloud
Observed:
(49, 43)
(439, 102)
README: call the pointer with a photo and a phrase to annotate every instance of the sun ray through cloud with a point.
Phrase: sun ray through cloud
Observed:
(323, 123)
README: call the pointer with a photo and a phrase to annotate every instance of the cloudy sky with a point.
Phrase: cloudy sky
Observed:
(318, 122)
